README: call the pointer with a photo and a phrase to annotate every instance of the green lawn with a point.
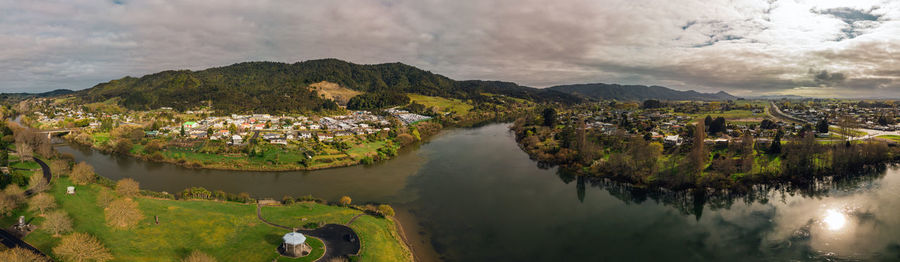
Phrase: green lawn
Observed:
(380, 240)
(365, 149)
(225, 230)
(896, 138)
(441, 104)
(728, 115)
(851, 132)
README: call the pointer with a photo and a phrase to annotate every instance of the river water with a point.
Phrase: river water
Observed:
(473, 195)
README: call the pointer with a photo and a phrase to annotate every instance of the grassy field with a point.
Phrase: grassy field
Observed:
(379, 236)
(225, 230)
(728, 115)
(851, 132)
(895, 138)
(441, 104)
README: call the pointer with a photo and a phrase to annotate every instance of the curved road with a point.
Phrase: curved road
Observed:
(10, 240)
(340, 240)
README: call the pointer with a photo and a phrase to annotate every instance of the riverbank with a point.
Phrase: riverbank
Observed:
(261, 156)
(221, 229)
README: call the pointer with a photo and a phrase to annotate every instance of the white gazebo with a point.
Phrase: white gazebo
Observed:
(295, 245)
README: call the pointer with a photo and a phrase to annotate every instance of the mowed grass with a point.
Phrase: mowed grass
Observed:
(380, 240)
(441, 104)
(225, 230)
(895, 138)
(365, 149)
(728, 115)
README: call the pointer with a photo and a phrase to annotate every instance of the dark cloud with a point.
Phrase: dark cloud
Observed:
(744, 46)
(824, 78)
(857, 20)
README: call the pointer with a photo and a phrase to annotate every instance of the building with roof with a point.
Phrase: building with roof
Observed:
(295, 245)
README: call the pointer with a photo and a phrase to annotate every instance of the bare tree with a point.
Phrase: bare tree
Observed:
(24, 151)
(198, 256)
(104, 197)
(59, 167)
(41, 202)
(82, 247)
(57, 222)
(123, 213)
(19, 254)
(37, 183)
(15, 193)
(82, 173)
(127, 187)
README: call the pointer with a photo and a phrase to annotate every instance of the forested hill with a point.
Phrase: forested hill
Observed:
(17, 96)
(638, 92)
(280, 87)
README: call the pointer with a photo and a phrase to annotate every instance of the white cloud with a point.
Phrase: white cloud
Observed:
(745, 47)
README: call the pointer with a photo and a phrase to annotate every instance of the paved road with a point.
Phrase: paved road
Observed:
(340, 240)
(10, 240)
(870, 133)
(47, 175)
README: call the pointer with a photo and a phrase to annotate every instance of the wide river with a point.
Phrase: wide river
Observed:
(473, 195)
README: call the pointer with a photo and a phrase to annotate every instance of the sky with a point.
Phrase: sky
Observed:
(747, 48)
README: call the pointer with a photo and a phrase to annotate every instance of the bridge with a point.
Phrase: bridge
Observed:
(55, 131)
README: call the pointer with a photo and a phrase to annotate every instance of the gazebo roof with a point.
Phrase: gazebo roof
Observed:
(294, 238)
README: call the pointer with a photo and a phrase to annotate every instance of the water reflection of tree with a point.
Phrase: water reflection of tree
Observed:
(693, 201)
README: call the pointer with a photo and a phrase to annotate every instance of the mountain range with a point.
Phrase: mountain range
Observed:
(638, 92)
(279, 87)
(282, 88)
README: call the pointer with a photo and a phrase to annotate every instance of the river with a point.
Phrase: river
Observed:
(473, 195)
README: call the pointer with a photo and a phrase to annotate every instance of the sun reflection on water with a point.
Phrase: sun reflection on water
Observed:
(834, 219)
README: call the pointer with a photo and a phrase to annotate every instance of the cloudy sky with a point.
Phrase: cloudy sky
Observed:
(814, 48)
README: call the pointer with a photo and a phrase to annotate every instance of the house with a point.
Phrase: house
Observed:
(236, 139)
(304, 135)
(325, 137)
(673, 140)
(278, 141)
(190, 124)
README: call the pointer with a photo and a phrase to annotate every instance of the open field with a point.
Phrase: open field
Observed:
(228, 231)
(441, 104)
(735, 115)
(334, 91)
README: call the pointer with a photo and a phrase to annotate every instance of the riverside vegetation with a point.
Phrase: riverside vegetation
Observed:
(636, 143)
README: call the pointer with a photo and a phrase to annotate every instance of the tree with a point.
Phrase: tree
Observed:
(717, 126)
(7, 204)
(59, 167)
(123, 146)
(698, 156)
(127, 187)
(386, 210)
(80, 247)
(822, 126)
(650, 104)
(19, 254)
(775, 148)
(37, 183)
(707, 121)
(345, 200)
(123, 213)
(57, 222)
(24, 150)
(104, 197)
(549, 115)
(15, 193)
(197, 256)
(41, 202)
(82, 174)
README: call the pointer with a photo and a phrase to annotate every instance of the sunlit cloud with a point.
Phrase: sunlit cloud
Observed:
(744, 47)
